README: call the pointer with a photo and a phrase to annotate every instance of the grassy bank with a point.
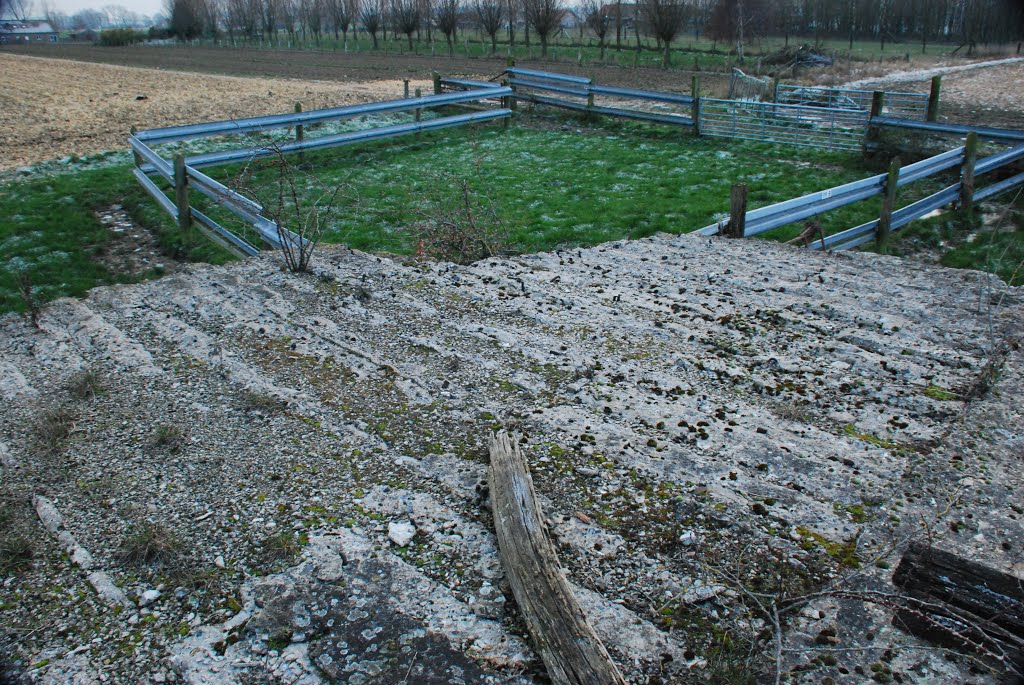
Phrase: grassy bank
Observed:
(52, 241)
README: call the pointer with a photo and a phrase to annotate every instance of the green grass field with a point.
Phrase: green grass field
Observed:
(561, 183)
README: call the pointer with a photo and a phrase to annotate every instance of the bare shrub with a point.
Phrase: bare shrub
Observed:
(463, 226)
(301, 208)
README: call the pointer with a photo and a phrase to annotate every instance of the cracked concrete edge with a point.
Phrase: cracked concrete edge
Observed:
(101, 581)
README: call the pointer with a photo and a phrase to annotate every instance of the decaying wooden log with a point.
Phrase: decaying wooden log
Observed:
(570, 648)
(962, 604)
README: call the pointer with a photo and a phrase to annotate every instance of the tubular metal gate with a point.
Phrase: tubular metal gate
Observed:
(905, 105)
(833, 129)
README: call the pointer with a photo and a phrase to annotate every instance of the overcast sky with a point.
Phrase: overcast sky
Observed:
(147, 7)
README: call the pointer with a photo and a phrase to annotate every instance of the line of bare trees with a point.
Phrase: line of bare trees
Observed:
(733, 22)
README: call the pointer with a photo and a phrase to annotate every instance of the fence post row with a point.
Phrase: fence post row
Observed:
(888, 204)
(181, 198)
(737, 211)
(933, 99)
(967, 176)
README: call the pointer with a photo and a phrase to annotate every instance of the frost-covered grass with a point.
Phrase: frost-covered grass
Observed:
(568, 186)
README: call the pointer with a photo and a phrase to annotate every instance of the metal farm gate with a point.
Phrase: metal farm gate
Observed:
(769, 122)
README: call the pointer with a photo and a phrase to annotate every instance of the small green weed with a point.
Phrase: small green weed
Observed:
(281, 546)
(53, 428)
(85, 385)
(153, 545)
(169, 436)
(16, 553)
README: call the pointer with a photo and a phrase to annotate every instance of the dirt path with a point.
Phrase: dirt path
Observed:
(926, 74)
(54, 108)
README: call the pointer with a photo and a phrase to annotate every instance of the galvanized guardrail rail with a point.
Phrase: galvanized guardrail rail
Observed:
(183, 172)
(763, 219)
(531, 85)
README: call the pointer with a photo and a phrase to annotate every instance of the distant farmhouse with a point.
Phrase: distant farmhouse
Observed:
(26, 31)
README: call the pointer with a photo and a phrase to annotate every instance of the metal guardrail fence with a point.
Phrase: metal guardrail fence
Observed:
(791, 211)
(905, 105)
(184, 174)
(834, 129)
(529, 84)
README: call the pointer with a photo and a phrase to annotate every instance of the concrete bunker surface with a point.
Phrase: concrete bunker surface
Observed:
(701, 416)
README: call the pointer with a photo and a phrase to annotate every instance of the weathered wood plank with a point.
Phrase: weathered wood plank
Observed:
(571, 650)
(962, 604)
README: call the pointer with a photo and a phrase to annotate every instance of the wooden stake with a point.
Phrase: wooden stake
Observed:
(405, 88)
(737, 212)
(419, 110)
(888, 204)
(181, 198)
(571, 650)
(967, 177)
(437, 82)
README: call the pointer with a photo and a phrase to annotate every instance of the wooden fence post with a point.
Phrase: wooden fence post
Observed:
(181, 198)
(405, 88)
(300, 131)
(967, 177)
(888, 204)
(737, 211)
(695, 91)
(933, 99)
(419, 110)
(506, 103)
(877, 103)
(136, 155)
(437, 82)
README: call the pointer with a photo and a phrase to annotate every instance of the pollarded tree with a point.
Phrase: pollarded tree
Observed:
(406, 18)
(490, 13)
(739, 21)
(186, 18)
(446, 16)
(665, 19)
(371, 19)
(545, 16)
(598, 21)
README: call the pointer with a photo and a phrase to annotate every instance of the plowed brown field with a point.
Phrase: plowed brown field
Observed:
(50, 108)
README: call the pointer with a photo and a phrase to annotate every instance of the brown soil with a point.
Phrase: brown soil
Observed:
(327, 65)
(54, 107)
